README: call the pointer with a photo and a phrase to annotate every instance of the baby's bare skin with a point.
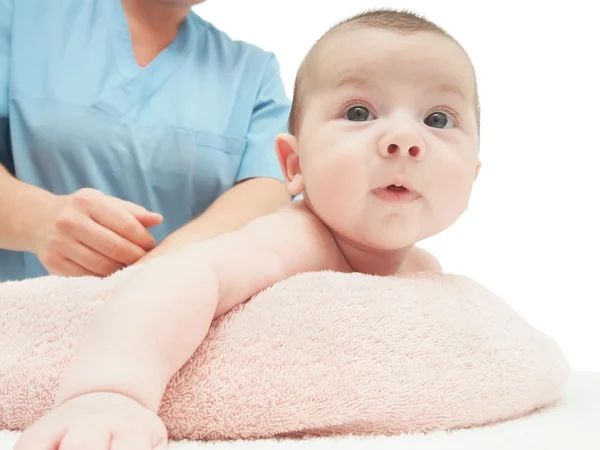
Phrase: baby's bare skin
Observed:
(373, 188)
(162, 324)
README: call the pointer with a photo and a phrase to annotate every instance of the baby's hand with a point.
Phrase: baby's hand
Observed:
(98, 421)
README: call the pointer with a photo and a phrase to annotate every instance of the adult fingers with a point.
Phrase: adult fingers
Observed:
(146, 218)
(108, 243)
(91, 260)
(115, 217)
(66, 268)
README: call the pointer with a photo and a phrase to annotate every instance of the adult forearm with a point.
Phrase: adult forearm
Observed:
(235, 208)
(22, 206)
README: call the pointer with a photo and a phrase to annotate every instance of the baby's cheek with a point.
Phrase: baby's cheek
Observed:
(333, 172)
(334, 191)
(460, 192)
(452, 192)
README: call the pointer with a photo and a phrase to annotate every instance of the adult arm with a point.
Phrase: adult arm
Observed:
(22, 208)
(259, 187)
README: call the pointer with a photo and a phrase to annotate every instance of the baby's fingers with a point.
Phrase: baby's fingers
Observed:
(40, 437)
(85, 436)
(131, 440)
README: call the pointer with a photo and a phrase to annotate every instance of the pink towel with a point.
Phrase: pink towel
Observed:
(318, 354)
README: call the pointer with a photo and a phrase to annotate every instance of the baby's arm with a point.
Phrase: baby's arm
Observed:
(150, 327)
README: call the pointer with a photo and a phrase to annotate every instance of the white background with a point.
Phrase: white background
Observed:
(532, 231)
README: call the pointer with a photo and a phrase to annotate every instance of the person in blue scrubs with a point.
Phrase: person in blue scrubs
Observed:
(128, 129)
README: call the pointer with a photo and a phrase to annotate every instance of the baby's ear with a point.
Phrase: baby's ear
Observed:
(289, 161)
(477, 169)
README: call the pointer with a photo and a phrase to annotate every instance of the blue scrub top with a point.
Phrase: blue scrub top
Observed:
(76, 110)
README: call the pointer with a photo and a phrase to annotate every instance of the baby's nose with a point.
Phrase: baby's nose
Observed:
(412, 151)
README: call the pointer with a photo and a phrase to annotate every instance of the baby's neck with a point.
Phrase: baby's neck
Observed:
(372, 262)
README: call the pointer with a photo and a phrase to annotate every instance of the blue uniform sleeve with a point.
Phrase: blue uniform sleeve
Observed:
(5, 32)
(269, 118)
(5, 39)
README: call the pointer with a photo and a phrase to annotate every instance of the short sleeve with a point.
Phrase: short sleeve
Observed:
(5, 33)
(5, 44)
(269, 118)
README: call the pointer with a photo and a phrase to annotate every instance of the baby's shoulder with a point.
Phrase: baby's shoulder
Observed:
(296, 217)
(420, 260)
(295, 232)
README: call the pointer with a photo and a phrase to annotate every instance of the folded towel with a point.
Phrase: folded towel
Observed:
(318, 354)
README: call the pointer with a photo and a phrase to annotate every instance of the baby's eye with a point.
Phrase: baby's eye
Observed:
(439, 120)
(358, 114)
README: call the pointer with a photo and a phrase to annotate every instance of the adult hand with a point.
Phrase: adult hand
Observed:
(90, 233)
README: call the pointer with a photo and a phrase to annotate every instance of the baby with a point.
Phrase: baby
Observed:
(383, 145)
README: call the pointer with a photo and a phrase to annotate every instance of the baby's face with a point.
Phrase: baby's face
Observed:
(388, 144)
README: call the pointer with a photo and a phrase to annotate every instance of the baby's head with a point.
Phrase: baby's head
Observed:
(384, 130)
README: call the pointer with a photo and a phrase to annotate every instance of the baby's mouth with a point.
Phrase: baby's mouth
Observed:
(394, 188)
(398, 194)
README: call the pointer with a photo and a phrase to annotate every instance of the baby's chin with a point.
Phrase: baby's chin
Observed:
(388, 238)
(390, 243)
(379, 240)
(380, 234)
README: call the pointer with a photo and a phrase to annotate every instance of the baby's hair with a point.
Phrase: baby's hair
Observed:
(387, 19)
